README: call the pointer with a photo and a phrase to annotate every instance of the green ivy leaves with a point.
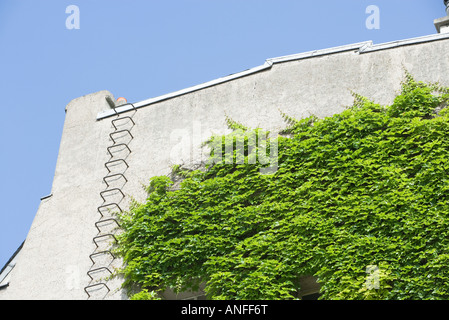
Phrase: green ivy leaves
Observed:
(367, 187)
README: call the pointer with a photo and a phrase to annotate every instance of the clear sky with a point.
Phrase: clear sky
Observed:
(141, 49)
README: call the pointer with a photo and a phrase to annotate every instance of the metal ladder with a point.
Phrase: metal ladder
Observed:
(109, 207)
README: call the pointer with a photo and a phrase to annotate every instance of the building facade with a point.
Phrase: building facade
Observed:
(110, 149)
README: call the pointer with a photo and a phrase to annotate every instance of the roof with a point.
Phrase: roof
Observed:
(360, 48)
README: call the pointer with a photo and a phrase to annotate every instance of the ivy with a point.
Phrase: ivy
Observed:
(366, 187)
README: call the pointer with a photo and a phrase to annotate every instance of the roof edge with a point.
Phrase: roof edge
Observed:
(9, 261)
(360, 48)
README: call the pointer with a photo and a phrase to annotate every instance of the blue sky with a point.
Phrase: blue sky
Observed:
(141, 49)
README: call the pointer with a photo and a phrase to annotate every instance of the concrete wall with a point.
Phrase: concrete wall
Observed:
(54, 261)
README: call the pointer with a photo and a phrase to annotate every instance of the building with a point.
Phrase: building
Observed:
(110, 148)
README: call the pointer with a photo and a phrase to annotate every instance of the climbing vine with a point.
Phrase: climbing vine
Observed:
(366, 187)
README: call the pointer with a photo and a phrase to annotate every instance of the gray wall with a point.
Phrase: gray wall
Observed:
(55, 258)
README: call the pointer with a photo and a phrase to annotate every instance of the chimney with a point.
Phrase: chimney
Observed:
(442, 24)
(121, 101)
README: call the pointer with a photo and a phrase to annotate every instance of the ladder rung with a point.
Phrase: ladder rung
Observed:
(101, 221)
(118, 145)
(114, 161)
(103, 236)
(97, 269)
(108, 205)
(100, 253)
(120, 131)
(96, 285)
(114, 175)
(127, 117)
(109, 191)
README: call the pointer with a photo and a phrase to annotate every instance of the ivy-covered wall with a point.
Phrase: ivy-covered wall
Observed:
(359, 199)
